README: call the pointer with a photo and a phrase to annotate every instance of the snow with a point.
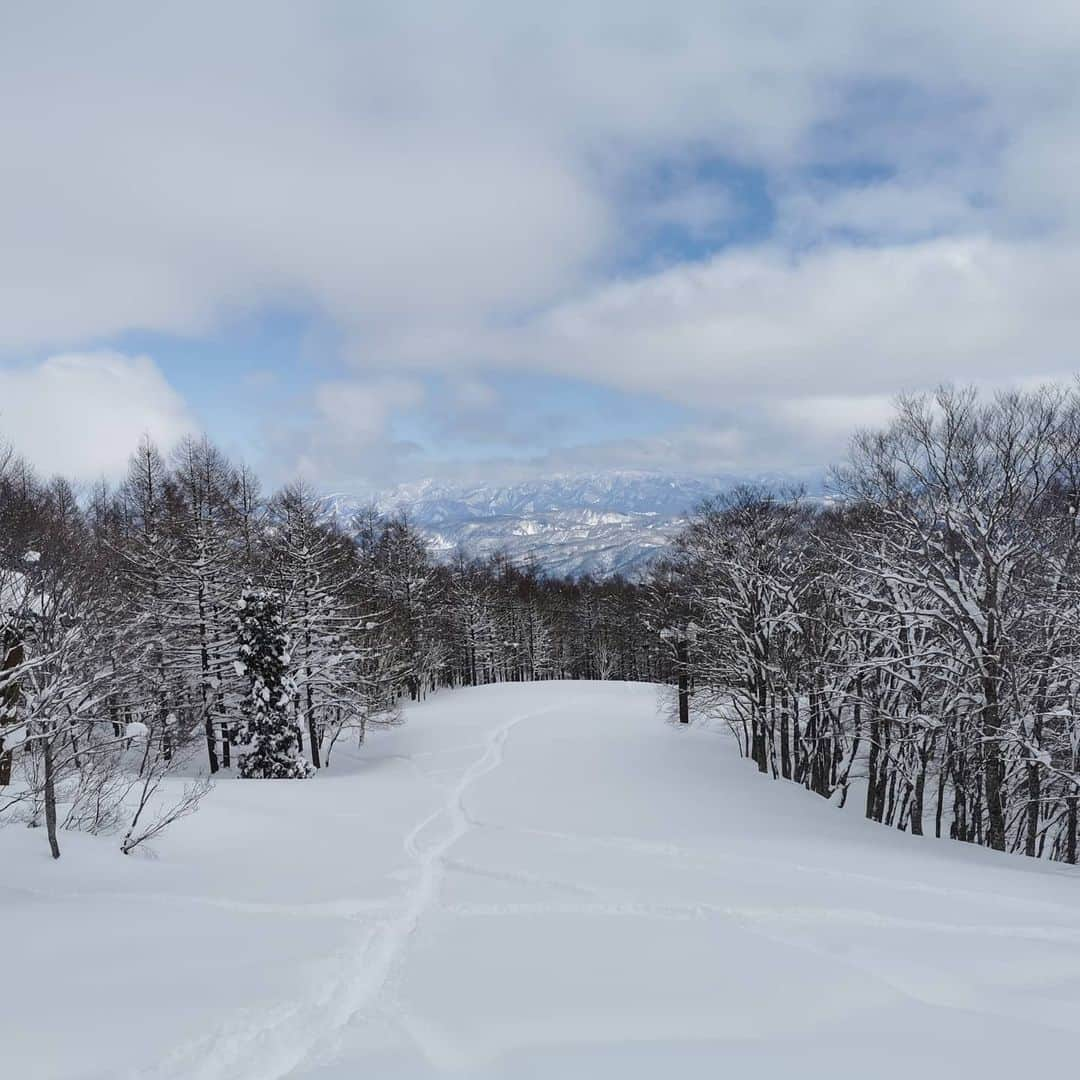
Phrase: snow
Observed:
(533, 881)
(16, 594)
(12, 736)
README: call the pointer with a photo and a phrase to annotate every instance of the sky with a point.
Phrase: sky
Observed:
(374, 242)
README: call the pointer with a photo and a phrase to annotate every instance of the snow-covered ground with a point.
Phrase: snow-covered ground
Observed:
(533, 881)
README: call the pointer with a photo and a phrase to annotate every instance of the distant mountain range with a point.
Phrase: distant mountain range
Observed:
(599, 524)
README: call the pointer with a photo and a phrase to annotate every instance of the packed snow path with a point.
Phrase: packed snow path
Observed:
(534, 881)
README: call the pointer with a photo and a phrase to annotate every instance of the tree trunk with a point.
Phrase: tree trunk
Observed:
(940, 800)
(798, 764)
(760, 721)
(211, 747)
(50, 798)
(872, 768)
(881, 796)
(917, 799)
(1033, 793)
(1070, 829)
(313, 732)
(9, 698)
(785, 741)
(993, 765)
(926, 752)
(684, 684)
(204, 660)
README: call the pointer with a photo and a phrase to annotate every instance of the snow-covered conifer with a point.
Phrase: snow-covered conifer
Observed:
(263, 659)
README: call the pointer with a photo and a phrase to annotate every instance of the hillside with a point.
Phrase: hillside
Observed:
(534, 881)
(595, 523)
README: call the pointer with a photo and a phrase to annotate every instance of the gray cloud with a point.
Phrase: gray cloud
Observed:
(446, 186)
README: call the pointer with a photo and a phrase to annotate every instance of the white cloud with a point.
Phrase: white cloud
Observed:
(449, 186)
(346, 441)
(82, 415)
(717, 450)
(433, 169)
(832, 420)
(698, 208)
(356, 413)
(886, 211)
(754, 325)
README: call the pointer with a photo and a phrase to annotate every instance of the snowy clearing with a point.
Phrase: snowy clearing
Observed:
(525, 881)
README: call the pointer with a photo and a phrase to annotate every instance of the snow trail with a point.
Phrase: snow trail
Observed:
(273, 1046)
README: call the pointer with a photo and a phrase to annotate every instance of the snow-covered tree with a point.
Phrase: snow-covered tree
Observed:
(920, 638)
(263, 659)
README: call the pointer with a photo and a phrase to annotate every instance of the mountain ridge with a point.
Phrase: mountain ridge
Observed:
(573, 524)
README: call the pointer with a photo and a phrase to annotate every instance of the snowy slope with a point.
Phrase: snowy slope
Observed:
(534, 881)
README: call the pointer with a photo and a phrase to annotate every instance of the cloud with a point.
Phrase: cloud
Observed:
(831, 421)
(832, 322)
(344, 438)
(419, 170)
(716, 450)
(698, 208)
(897, 210)
(458, 192)
(83, 414)
(355, 413)
(473, 398)
(164, 177)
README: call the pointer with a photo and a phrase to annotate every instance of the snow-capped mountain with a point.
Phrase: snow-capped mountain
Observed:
(598, 524)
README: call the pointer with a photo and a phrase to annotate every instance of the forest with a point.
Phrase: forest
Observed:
(183, 623)
(915, 640)
(910, 644)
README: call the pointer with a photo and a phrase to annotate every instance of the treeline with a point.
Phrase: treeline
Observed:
(183, 623)
(915, 644)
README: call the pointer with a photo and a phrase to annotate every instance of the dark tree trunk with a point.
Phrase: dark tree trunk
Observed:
(881, 796)
(211, 742)
(313, 730)
(993, 764)
(798, 764)
(917, 798)
(204, 659)
(940, 802)
(50, 798)
(926, 752)
(9, 698)
(1031, 833)
(785, 741)
(760, 720)
(684, 681)
(872, 768)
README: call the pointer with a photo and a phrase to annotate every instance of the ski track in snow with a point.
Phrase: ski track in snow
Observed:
(637, 898)
(272, 1044)
(319, 909)
(691, 857)
(764, 916)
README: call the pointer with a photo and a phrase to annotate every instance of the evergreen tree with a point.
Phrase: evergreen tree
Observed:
(263, 649)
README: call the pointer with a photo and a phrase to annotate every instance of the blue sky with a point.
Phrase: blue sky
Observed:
(371, 244)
